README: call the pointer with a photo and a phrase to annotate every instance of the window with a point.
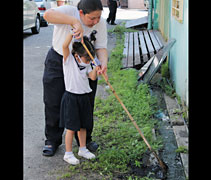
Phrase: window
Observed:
(177, 10)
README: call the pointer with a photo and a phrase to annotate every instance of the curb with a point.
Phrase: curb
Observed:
(179, 127)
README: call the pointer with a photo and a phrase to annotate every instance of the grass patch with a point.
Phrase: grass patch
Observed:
(182, 149)
(120, 143)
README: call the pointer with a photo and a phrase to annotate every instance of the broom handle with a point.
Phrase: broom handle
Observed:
(120, 101)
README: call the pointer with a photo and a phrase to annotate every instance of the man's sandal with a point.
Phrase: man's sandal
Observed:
(49, 150)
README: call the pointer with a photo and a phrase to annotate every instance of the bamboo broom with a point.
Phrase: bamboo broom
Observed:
(162, 164)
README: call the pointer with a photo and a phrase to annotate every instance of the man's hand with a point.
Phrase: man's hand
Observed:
(103, 70)
(103, 57)
(78, 30)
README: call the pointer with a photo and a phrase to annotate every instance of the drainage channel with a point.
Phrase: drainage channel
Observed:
(168, 153)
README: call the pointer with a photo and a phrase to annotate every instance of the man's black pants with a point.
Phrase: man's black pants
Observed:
(53, 89)
(112, 11)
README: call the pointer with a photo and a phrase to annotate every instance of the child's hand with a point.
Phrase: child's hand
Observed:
(99, 72)
(97, 68)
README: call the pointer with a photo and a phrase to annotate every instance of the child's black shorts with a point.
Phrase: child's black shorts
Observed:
(75, 112)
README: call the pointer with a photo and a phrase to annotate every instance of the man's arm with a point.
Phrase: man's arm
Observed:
(102, 55)
(56, 17)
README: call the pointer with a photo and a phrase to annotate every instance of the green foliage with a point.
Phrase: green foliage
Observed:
(119, 141)
(181, 149)
(167, 87)
(67, 175)
(165, 70)
(120, 29)
(138, 178)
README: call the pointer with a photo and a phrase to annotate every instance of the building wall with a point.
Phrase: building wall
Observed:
(165, 25)
(104, 2)
(131, 4)
(156, 5)
(134, 4)
(161, 19)
(179, 58)
(124, 3)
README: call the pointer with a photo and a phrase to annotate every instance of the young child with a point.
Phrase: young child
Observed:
(75, 111)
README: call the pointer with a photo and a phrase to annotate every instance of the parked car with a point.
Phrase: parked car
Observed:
(43, 5)
(31, 16)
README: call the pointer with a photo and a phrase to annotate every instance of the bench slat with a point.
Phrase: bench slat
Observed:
(130, 51)
(143, 46)
(149, 44)
(125, 51)
(159, 38)
(137, 58)
(154, 40)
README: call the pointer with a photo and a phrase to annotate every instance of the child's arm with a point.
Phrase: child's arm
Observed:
(93, 73)
(65, 46)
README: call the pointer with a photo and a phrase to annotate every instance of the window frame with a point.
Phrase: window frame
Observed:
(177, 10)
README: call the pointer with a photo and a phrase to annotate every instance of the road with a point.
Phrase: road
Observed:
(36, 166)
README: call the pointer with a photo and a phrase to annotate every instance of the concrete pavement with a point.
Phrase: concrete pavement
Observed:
(125, 14)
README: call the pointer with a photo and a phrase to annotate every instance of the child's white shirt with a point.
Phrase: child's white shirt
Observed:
(76, 80)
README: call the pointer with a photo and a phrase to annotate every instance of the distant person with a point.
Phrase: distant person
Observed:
(60, 2)
(112, 5)
(76, 111)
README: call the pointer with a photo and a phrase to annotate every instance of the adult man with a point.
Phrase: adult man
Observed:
(83, 20)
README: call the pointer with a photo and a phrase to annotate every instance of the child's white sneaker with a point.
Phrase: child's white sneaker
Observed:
(71, 159)
(84, 152)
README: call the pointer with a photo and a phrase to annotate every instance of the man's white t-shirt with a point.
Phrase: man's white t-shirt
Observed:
(76, 79)
(61, 30)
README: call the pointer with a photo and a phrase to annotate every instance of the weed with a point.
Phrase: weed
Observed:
(181, 149)
(138, 178)
(167, 87)
(165, 70)
(120, 29)
(67, 175)
(137, 163)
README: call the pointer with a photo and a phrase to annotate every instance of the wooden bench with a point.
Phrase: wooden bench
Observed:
(139, 47)
(149, 69)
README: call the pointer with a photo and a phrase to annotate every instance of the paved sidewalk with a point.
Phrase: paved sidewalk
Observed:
(125, 14)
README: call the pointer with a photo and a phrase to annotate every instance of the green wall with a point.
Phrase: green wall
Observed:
(178, 57)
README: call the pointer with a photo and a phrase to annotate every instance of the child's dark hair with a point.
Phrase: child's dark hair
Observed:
(80, 50)
(88, 6)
